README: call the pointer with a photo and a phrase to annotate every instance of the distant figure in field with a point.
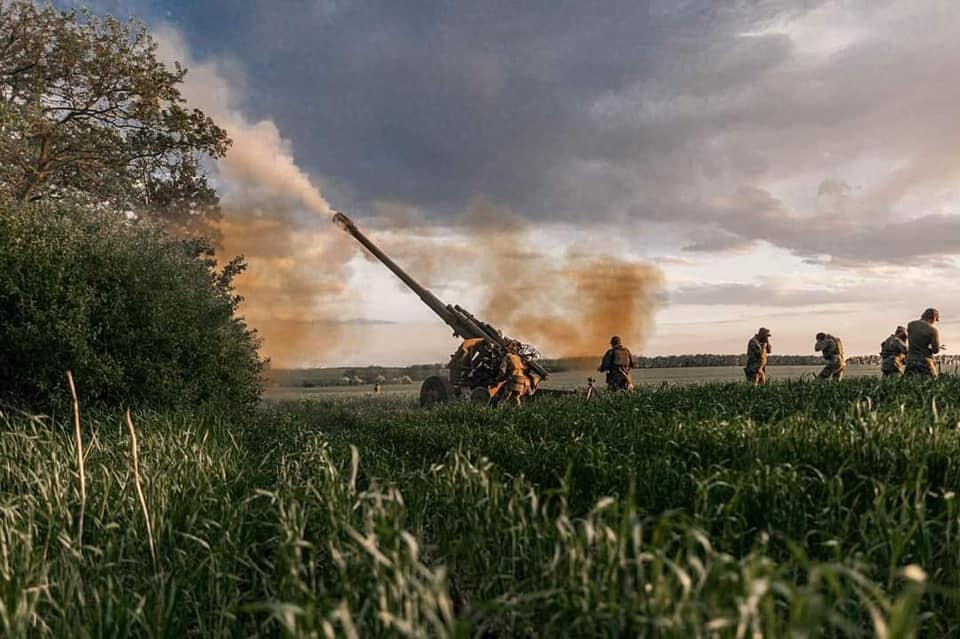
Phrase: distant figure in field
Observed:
(591, 387)
(832, 350)
(616, 363)
(893, 351)
(758, 348)
(924, 341)
(376, 388)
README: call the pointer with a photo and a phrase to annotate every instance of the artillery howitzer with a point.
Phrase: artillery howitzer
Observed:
(475, 369)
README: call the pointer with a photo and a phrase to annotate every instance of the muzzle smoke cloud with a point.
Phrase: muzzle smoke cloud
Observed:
(294, 289)
(568, 304)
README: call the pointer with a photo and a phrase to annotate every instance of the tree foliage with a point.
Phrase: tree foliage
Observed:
(88, 114)
(139, 316)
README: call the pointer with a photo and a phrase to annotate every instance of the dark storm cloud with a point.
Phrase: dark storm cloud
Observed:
(716, 241)
(436, 102)
(680, 113)
(832, 238)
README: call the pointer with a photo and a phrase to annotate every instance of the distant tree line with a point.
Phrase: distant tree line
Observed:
(316, 377)
(389, 374)
(353, 376)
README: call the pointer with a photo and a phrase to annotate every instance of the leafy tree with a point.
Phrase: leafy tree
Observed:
(89, 115)
(140, 316)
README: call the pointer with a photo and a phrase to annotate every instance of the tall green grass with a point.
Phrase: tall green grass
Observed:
(803, 509)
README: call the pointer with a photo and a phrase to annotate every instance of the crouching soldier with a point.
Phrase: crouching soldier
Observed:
(758, 348)
(893, 351)
(832, 350)
(516, 382)
(617, 363)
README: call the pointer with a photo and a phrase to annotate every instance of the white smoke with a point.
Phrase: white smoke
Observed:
(295, 288)
(260, 159)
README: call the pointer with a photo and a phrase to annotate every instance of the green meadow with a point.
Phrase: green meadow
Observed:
(720, 510)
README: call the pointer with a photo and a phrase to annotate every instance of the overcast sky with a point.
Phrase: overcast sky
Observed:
(788, 164)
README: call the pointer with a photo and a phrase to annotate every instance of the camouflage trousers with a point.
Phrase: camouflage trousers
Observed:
(833, 369)
(926, 367)
(514, 390)
(617, 381)
(891, 367)
(756, 377)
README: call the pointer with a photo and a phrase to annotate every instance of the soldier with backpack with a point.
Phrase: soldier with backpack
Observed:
(616, 363)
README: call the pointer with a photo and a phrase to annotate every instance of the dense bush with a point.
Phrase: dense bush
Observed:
(139, 316)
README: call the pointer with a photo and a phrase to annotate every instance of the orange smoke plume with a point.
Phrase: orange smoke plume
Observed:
(275, 217)
(294, 288)
(567, 304)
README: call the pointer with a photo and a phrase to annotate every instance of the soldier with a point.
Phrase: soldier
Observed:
(832, 350)
(893, 350)
(757, 350)
(616, 363)
(513, 371)
(924, 341)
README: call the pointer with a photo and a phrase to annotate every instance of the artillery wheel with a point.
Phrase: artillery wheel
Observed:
(435, 390)
(480, 395)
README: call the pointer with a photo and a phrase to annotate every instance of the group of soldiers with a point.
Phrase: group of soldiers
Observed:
(909, 350)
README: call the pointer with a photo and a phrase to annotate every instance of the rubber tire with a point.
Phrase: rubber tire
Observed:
(435, 390)
(480, 395)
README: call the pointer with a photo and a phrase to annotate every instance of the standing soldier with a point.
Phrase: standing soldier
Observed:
(924, 341)
(893, 350)
(757, 350)
(832, 350)
(617, 363)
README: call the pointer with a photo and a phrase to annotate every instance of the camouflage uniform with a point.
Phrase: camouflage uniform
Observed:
(617, 363)
(757, 350)
(832, 349)
(893, 350)
(924, 344)
(514, 372)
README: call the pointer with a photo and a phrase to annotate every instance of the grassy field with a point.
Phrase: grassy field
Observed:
(798, 509)
(569, 380)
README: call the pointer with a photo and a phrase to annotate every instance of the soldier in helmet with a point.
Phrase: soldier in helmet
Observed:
(757, 350)
(924, 343)
(832, 350)
(616, 363)
(893, 350)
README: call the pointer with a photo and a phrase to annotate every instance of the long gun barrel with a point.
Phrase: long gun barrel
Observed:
(462, 326)
(463, 323)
